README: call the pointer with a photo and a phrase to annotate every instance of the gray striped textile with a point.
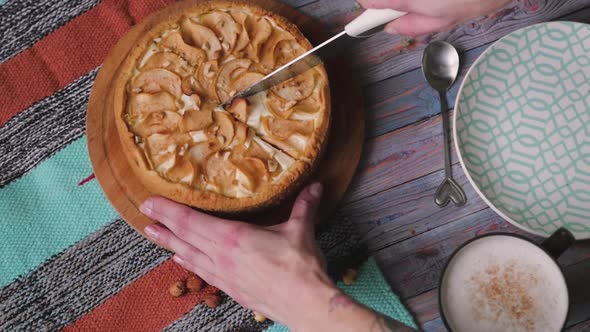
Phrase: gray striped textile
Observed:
(228, 317)
(44, 128)
(44, 17)
(74, 282)
(82, 277)
(77, 280)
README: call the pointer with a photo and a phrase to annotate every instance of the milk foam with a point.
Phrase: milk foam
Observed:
(503, 283)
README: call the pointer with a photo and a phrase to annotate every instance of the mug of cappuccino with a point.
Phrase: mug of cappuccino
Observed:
(504, 282)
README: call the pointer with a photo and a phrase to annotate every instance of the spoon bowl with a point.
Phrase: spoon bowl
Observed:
(440, 65)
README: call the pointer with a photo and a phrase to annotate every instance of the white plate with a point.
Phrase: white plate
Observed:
(522, 127)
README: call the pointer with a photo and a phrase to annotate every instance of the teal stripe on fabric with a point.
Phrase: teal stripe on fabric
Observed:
(46, 211)
(2, 2)
(372, 290)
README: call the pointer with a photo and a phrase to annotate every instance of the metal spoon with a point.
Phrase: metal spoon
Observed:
(440, 65)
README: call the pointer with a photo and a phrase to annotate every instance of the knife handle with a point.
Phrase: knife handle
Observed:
(370, 19)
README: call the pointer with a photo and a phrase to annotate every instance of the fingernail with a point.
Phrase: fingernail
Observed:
(146, 207)
(152, 232)
(178, 260)
(316, 190)
(390, 30)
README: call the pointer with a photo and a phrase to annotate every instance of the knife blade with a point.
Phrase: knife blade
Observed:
(369, 20)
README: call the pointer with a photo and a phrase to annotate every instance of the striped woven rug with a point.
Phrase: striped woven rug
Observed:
(68, 261)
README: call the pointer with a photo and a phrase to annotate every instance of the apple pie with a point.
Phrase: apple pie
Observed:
(182, 145)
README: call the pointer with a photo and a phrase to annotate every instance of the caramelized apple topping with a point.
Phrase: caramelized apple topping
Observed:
(297, 88)
(169, 61)
(224, 26)
(283, 129)
(243, 38)
(206, 59)
(158, 80)
(228, 73)
(201, 37)
(196, 120)
(239, 109)
(157, 122)
(259, 29)
(174, 42)
(142, 104)
(244, 81)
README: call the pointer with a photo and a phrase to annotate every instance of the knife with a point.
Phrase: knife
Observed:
(369, 20)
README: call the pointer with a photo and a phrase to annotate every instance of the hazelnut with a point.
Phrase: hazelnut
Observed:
(212, 300)
(194, 283)
(177, 289)
(350, 276)
(259, 317)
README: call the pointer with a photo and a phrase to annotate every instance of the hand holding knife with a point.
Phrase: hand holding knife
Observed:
(368, 21)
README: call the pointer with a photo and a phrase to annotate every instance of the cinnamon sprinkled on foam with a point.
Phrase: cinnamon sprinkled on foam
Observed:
(501, 293)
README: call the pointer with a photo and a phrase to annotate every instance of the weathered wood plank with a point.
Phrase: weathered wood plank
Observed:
(424, 306)
(435, 325)
(383, 56)
(399, 213)
(398, 101)
(398, 157)
(402, 100)
(404, 171)
(298, 3)
(334, 14)
(413, 266)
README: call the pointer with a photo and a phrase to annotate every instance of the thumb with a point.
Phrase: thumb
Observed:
(305, 207)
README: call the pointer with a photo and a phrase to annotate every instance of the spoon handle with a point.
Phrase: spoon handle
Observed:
(444, 110)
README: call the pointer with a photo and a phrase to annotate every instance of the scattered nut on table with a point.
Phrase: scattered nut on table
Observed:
(259, 317)
(194, 283)
(350, 276)
(177, 289)
(212, 300)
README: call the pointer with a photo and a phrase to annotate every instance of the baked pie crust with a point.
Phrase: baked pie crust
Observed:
(178, 141)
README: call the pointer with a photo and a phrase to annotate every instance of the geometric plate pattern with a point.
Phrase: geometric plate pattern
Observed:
(522, 127)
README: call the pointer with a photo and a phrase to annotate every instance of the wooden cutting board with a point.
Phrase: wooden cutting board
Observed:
(125, 191)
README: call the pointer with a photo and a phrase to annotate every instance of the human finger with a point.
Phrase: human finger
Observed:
(416, 24)
(208, 275)
(426, 7)
(169, 240)
(184, 221)
(305, 207)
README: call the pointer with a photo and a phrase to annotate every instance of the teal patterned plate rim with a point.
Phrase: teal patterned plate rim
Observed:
(522, 127)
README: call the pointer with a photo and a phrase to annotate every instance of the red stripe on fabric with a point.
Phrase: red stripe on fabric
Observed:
(86, 180)
(67, 53)
(144, 305)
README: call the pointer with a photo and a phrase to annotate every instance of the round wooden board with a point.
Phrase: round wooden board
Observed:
(125, 191)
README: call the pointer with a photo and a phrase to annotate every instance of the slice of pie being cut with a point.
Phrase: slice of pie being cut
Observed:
(181, 145)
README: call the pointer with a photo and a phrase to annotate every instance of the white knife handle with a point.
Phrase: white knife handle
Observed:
(371, 19)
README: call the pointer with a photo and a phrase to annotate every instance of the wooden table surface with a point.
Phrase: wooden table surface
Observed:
(391, 198)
